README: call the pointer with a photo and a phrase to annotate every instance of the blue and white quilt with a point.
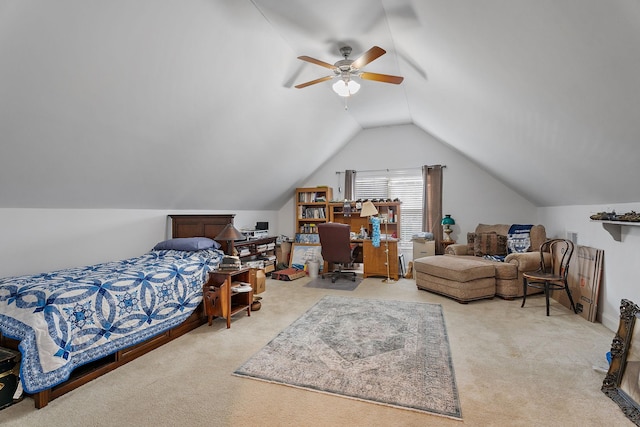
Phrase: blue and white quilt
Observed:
(67, 318)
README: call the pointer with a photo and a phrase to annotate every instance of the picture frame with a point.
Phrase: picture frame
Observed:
(622, 382)
(301, 253)
(307, 238)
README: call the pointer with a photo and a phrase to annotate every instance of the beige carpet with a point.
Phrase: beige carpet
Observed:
(382, 351)
(514, 367)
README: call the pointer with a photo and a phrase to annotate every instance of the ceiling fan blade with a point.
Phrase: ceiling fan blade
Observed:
(385, 78)
(317, 62)
(312, 82)
(373, 53)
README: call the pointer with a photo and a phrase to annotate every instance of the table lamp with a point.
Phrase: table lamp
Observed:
(368, 209)
(447, 222)
(229, 233)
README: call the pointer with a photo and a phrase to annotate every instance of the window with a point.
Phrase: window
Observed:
(405, 185)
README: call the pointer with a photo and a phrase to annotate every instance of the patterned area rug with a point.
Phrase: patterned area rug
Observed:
(387, 352)
(341, 284)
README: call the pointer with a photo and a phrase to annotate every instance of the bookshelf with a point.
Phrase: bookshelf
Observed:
(262, 249)
(386, 211)
(312, 208)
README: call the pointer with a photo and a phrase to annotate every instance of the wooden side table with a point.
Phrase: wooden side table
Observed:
(446, 243)
(220, 300)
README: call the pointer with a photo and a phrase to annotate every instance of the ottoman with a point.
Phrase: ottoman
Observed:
(459, 278)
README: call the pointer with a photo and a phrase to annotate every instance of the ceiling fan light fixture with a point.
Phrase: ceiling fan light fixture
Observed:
(346, 87)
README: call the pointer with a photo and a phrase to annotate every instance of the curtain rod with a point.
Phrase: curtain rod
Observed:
(390, 170)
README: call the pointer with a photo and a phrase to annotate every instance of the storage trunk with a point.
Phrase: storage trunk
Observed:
(9, 369)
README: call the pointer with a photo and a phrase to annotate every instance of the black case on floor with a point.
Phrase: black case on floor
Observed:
(9, 371)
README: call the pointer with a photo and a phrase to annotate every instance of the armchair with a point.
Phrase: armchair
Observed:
(509, 274)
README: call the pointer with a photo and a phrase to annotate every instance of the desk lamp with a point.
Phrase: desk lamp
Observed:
(229, 233)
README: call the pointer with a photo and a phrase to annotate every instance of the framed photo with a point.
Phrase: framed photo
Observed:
(622, 382)
(301, 253)
(307, 238)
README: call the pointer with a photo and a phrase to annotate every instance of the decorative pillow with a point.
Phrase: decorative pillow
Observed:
(187, 244)
(519, 242)
(490, 244)
(519, 238)
(471, 237)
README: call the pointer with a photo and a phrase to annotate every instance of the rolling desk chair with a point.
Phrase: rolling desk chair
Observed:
(335, 239)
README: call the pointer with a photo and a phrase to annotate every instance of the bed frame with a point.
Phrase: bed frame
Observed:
(182, 226)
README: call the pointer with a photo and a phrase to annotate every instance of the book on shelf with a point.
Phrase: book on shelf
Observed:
(313, 213)
(241, 287)
(229, 263)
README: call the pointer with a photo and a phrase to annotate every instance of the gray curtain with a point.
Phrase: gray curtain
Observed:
(349, 184)
(432, 209)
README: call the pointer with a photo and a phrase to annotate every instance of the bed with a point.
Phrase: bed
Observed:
(76, 324)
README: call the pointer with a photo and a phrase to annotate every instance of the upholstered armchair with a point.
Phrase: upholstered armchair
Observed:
(489, 243)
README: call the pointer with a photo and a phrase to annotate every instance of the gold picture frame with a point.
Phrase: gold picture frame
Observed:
(622, 382)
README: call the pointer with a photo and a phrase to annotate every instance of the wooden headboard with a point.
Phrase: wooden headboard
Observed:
(200, 226)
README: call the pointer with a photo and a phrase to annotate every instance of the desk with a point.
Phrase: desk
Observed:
(375, 259)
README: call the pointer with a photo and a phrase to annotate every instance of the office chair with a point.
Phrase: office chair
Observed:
(335, 239)
(552, 275)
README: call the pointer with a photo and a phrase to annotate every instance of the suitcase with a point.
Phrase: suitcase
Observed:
(9, 371)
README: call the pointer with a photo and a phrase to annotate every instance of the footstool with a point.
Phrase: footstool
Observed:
(461, 279)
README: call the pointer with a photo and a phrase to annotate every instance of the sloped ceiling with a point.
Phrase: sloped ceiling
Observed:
(190, 104)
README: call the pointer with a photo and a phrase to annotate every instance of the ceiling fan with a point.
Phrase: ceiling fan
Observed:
(346, 69)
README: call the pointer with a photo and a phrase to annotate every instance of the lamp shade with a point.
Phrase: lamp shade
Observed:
(229, 232)
(447, 220)
(368, 209)
(346, 87)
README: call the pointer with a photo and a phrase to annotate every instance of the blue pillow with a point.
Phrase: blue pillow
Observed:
(187, 244)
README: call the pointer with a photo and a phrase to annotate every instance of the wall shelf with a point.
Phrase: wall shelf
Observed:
(615, 227)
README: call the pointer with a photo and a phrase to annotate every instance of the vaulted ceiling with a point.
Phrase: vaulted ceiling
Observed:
(190, 104)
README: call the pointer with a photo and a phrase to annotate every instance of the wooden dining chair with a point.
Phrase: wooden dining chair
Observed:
(555, 255)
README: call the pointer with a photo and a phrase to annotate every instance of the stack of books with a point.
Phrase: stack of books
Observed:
(241, 287)
(230, 263)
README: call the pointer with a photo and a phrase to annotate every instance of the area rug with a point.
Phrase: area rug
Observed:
(341, 284)
(393, 353)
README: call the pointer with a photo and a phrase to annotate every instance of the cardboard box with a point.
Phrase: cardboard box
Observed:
(282, 253)
(585, 273)
(288, 274)
(423, 248)
(258, 280)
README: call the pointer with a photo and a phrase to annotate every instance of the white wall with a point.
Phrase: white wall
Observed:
(470, 194)
(39, 240)
(621, 259)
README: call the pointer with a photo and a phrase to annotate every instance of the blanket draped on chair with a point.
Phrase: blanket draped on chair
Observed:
(519, 238)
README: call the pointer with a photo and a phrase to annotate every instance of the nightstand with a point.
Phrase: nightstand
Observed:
(446, 243)
(220, 300)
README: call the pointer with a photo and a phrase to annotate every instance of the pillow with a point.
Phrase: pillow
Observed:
(490, 244)
(187, 244)
(471, 237)
(518, 243)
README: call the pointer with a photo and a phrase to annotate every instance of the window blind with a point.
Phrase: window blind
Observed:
(405, 185)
